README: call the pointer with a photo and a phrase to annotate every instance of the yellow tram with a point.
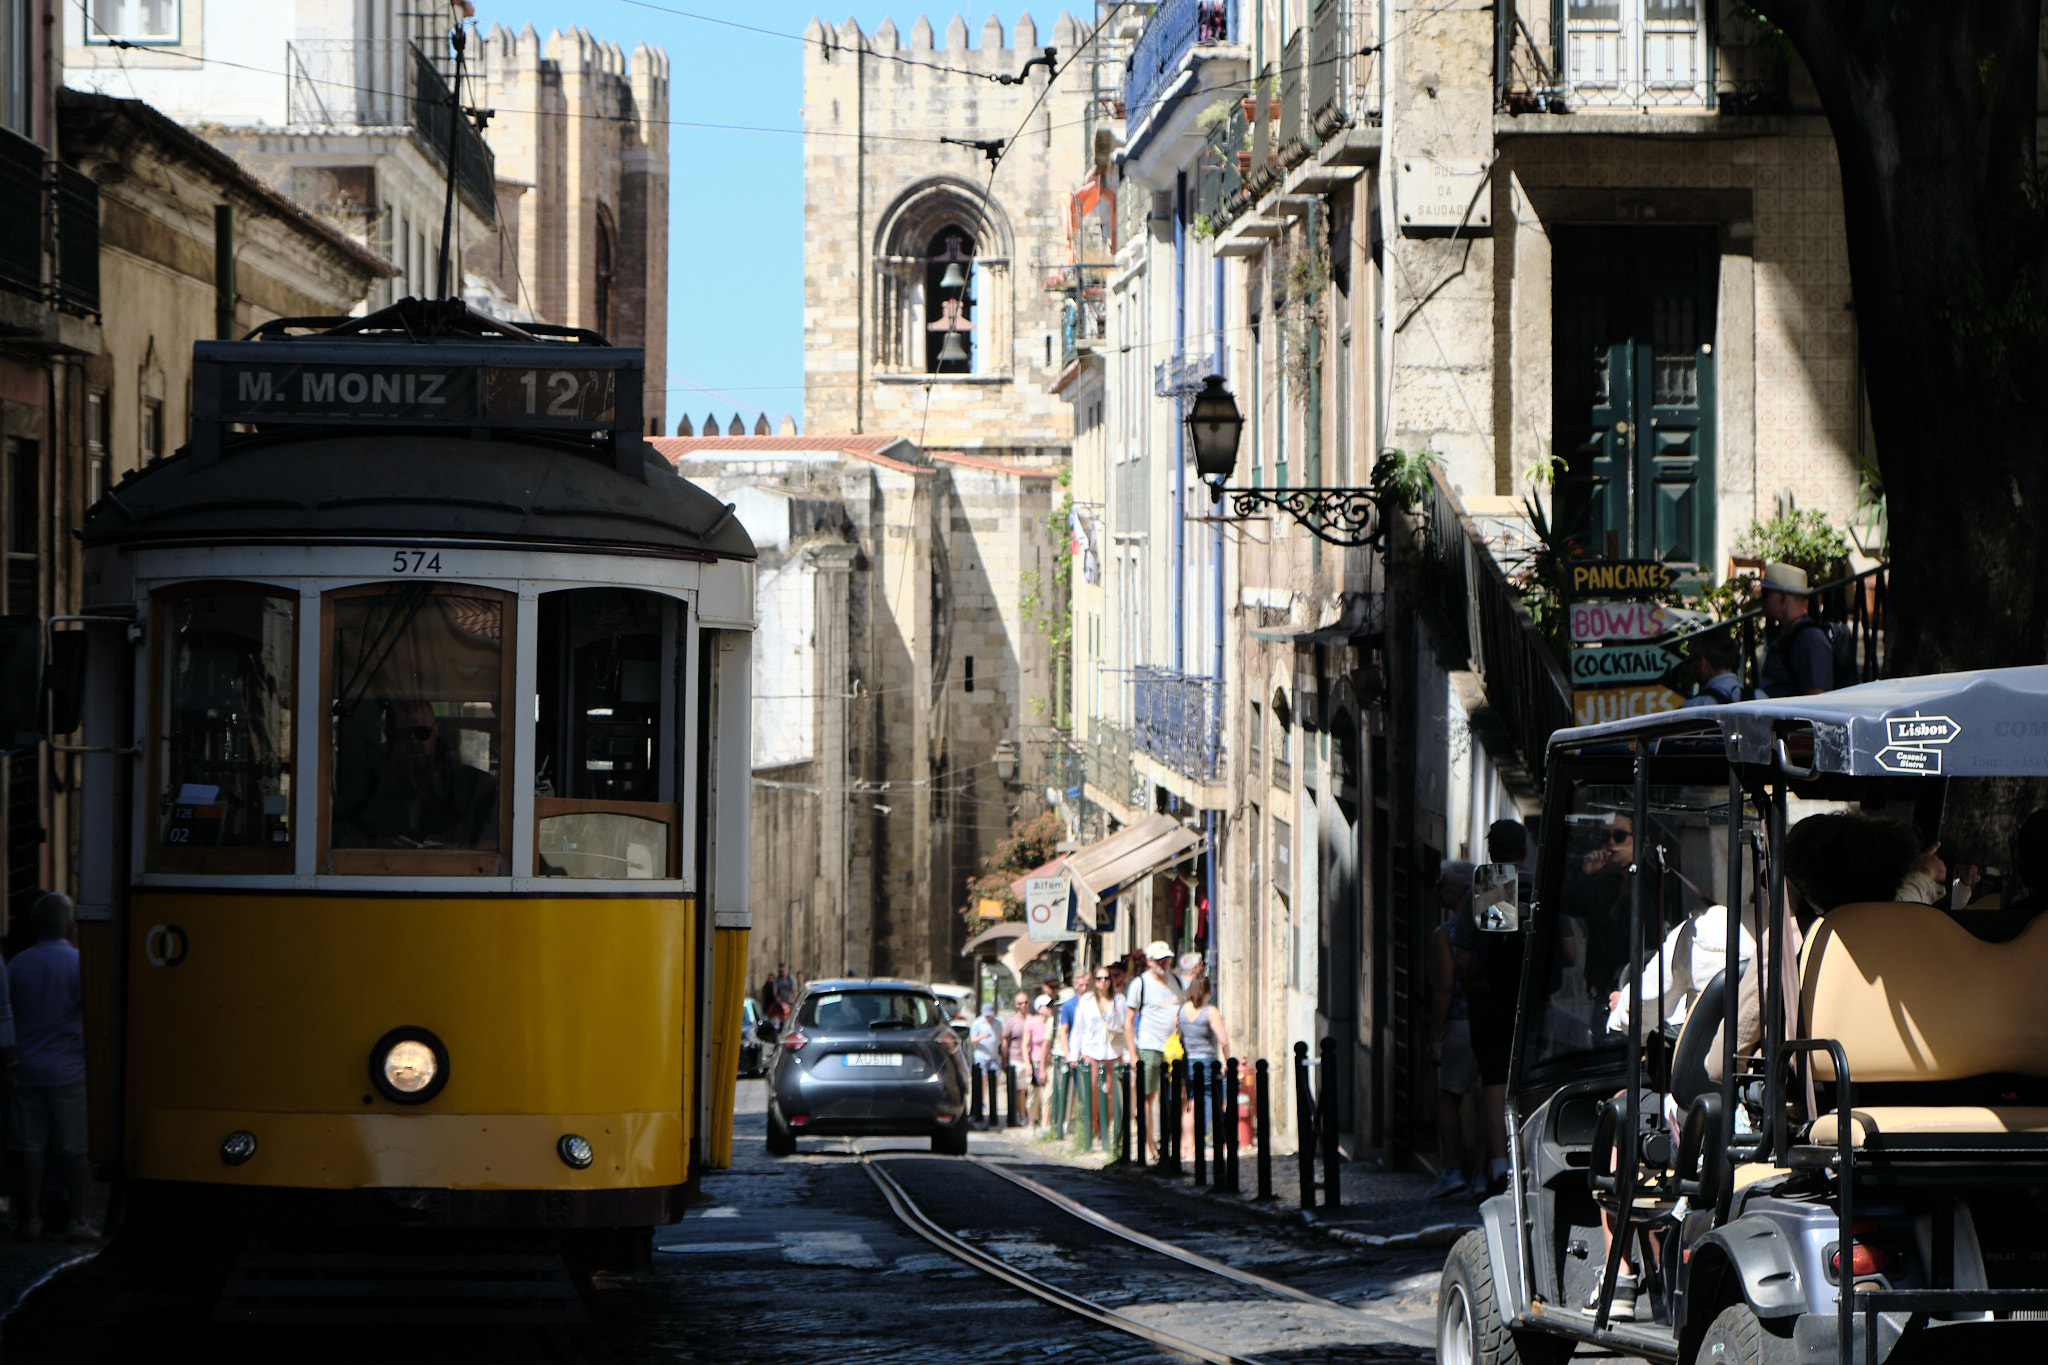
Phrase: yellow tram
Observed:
(415, 706)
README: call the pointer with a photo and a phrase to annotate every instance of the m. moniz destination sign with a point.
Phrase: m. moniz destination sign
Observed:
(522, 386)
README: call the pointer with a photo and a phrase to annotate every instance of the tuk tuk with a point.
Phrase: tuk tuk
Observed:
(1738, 1096)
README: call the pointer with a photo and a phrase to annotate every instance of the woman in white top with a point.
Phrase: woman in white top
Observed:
(1100, 1039)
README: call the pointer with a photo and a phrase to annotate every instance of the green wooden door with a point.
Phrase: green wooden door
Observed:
(1633, 384)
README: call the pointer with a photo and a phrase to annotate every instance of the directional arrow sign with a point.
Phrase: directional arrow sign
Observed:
(1917, 730)
(1895, 760)
(1599, 665)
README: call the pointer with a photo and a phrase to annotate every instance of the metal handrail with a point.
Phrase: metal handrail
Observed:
(1522, 678)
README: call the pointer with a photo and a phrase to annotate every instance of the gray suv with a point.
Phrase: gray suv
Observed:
(868, 1059)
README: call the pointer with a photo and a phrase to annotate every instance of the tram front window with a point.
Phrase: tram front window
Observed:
(224, 757)
(417, 680)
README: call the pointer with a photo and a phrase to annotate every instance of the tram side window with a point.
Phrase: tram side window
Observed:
(416, 679)
(224, 736)
(604, 781)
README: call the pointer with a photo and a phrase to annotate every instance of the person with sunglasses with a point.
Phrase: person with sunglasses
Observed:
(424, 796)
(1101, 1039)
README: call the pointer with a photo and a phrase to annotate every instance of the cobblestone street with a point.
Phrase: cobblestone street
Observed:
(801, 1260)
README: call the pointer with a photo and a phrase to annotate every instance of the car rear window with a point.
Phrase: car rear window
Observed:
(851, 1011)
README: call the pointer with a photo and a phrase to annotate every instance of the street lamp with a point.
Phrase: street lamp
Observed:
(1337, 516)
(1214, 426)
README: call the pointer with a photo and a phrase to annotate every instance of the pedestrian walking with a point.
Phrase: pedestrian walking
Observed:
(47, 1110)
(1038, 1059)
(986, 1038)
(1799, 661)
(1491, 966)
(1207, 1040)
(1450, 1035)
(1155, 1000)
(785, 986)
(1711, 666)
(1192, 965)
(1101, 1039)
(1016, 1050)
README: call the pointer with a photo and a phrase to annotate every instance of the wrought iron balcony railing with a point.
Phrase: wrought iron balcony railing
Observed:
(1107, 759)
(1174, 28)
(1525, 685)
(1179, 720)
(387, 83)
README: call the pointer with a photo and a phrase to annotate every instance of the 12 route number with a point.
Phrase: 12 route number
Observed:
(561, 384)
(415, 561)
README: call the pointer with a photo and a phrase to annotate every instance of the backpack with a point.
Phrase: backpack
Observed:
(1841, 646)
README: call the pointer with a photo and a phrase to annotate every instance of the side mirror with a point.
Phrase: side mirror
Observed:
(1493, 897)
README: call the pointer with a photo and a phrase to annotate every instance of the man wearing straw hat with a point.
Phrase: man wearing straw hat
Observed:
(1800, 660)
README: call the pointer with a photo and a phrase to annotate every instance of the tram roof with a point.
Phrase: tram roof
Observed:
(420, 485)
(425, 420)
(1988, 723)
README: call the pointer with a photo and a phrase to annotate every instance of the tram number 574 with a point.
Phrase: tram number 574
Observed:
(415, 562)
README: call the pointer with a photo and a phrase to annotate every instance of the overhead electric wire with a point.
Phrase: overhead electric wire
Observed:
(999, 77)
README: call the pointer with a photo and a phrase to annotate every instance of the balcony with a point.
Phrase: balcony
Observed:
(21, 234)
(1179, 721)
(56, 206)
(1639, 56)
(387, 83)
(1175, 29)
(1107, 764)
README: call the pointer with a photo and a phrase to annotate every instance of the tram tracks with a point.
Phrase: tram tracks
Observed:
(1215, 1293)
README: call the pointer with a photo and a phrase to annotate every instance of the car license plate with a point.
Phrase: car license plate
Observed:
(873, 1058)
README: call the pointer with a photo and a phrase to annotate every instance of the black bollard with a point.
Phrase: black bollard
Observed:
(1230, 1115)
(1010, 1095)
(1177, 1075)
(974, 1103)
(1123, 1080)
(1304, 1126)
(1263, 1131)
(1198, 1100)
(1327, 1107)
(1161, 1121)
(1219, 1140)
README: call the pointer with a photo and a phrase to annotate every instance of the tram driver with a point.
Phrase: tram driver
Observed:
(415, 792)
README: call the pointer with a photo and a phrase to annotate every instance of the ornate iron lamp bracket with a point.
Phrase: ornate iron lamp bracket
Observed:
(1349, 517)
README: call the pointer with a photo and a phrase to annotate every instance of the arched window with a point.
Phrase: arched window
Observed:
(942, 270)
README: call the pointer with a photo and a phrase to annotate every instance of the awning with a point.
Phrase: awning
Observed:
(993, 937)
(1152, 845)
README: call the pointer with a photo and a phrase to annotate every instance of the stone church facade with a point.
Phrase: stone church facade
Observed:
(885, 202)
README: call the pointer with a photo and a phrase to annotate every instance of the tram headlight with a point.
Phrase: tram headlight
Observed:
(237, 1147)
(409, 1065)
(574, 1151)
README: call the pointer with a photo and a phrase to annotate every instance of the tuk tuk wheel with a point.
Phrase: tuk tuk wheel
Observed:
(1737, 1336)
(1468, 1326)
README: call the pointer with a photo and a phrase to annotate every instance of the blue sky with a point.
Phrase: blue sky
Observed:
(735, 253)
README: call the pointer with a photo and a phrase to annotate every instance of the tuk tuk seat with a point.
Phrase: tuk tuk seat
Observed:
(1914, 997)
